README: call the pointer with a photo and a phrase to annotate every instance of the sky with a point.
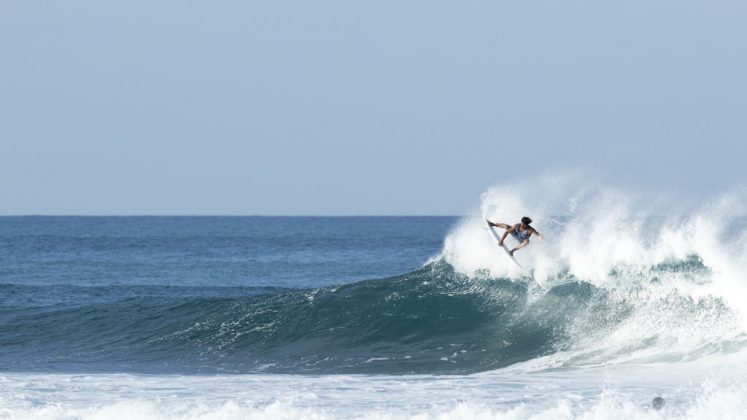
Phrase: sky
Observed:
(360, 107)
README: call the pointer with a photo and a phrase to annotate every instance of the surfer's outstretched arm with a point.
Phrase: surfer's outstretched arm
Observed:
(539, 235)
(521, 245)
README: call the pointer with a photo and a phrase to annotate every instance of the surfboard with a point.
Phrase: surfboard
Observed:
(504, 247)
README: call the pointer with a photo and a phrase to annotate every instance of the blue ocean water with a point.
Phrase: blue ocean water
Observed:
(147, 294)
(385, 317)
(287, 252)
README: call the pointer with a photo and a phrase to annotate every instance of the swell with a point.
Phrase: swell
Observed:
(433, 320)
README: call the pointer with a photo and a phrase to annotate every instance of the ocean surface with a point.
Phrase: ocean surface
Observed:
(625, 300)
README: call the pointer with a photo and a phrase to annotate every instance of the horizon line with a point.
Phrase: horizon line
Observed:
(227, 215)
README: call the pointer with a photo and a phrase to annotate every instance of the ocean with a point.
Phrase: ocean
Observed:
(629, 297)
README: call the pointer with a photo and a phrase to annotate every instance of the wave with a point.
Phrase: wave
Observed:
(434, 320)
(621, 277)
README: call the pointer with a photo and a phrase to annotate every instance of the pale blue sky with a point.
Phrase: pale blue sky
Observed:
(355, 107)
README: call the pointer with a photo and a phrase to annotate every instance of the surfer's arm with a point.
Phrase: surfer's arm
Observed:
(539, 235)
(521, 245)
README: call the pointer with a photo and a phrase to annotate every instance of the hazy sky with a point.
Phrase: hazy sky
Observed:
(360, 107)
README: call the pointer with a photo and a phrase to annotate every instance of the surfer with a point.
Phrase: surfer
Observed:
(520, 231)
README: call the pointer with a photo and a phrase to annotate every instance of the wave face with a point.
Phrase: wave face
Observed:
(430, 321)
(434, 320)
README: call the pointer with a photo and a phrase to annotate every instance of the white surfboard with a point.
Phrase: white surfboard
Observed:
(504, 247)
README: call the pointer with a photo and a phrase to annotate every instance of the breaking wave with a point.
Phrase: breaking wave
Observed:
(620, 277)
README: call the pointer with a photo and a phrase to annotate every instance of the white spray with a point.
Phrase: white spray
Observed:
(614, 238)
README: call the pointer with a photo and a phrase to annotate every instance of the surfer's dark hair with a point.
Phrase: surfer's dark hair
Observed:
(526, 220)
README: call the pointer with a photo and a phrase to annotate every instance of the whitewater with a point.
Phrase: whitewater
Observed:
(634, 294)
